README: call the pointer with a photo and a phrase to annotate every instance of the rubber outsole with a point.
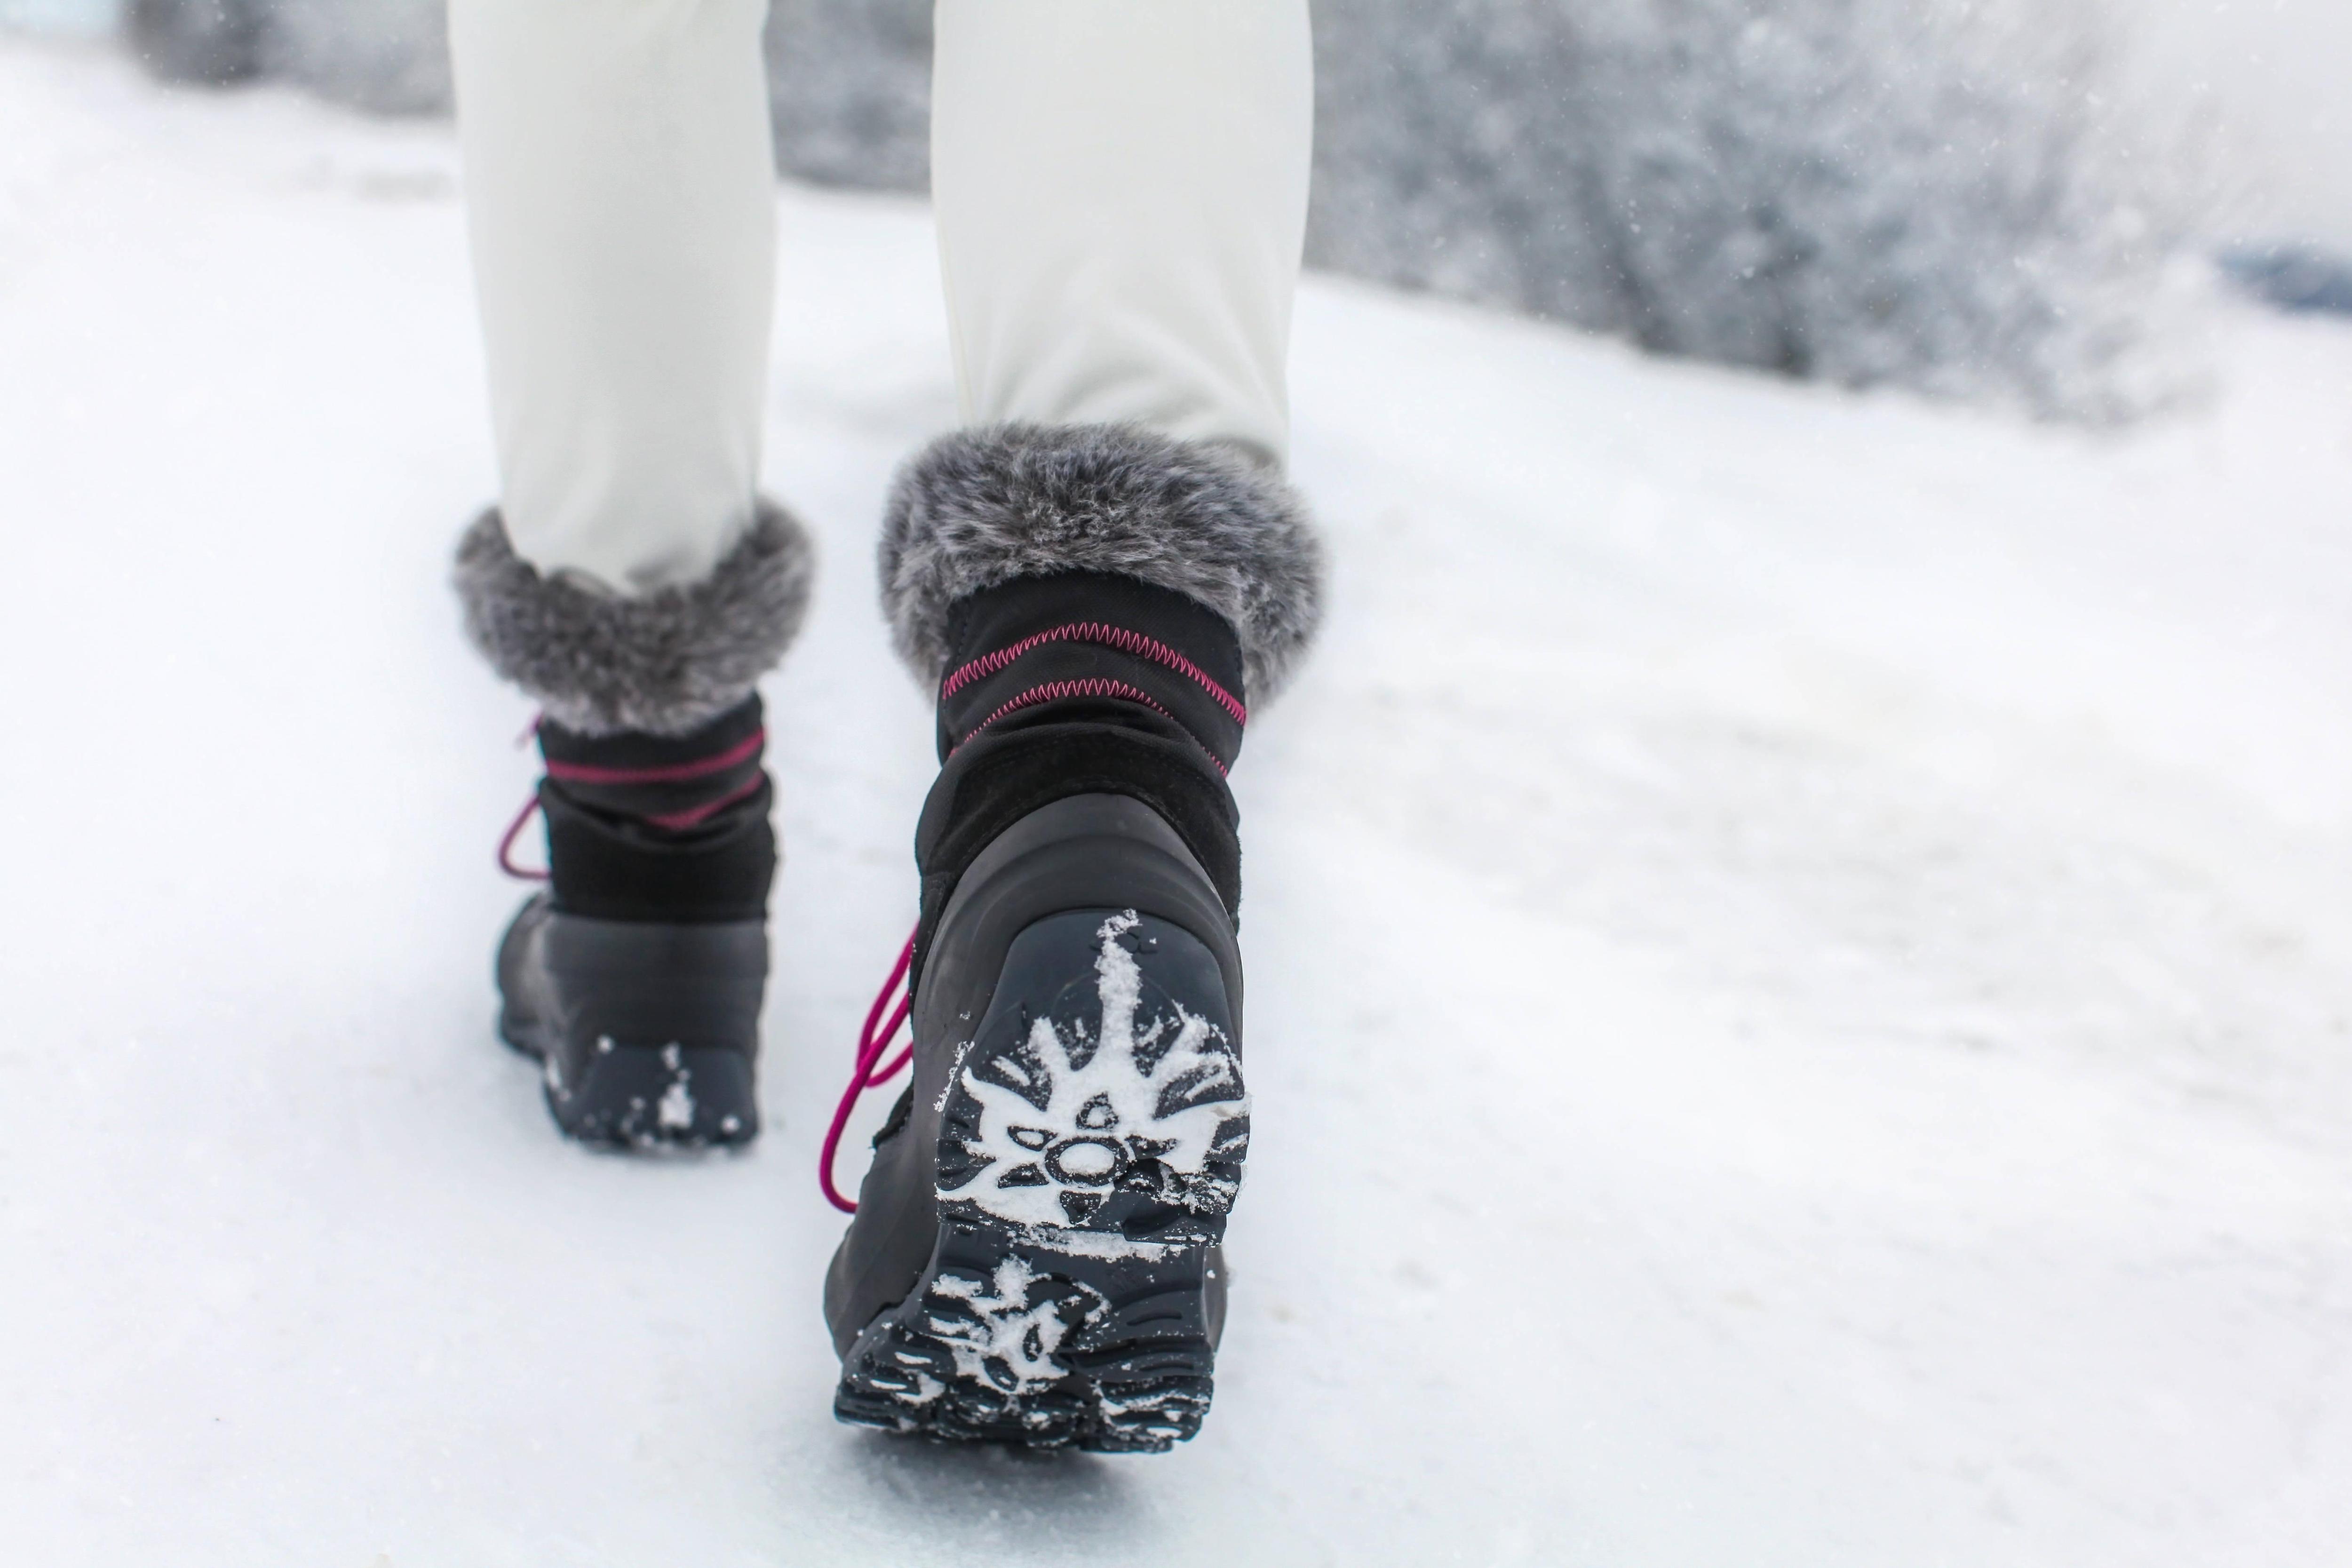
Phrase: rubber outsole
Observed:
(1012, 1339)
(649, 1097)
(1089, 1148)
(646, 1037)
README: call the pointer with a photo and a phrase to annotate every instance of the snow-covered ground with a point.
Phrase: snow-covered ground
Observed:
(1801, 947)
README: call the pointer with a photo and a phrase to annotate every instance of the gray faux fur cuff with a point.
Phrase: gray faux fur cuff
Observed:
(982, 506)
(662, 663)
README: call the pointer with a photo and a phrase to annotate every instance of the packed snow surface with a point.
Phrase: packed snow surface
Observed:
(1800, 948)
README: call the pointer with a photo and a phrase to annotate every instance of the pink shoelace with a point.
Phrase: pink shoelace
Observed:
(675, 772)
(871, 1071)
(522, 819)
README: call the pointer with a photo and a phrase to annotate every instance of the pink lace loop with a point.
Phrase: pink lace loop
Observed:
(507, 844)
(522, 818)
(871, 1071)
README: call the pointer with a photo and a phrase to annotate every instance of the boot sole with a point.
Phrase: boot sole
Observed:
(1090, 1148)
(647, 1096)
(646, 1035)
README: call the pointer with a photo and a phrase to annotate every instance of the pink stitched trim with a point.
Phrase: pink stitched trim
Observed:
(1119, 637)
(677, 820)
(1053, 690)
(676, 773)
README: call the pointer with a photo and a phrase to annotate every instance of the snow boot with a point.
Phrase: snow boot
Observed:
(636, 976)
(1034, 1256)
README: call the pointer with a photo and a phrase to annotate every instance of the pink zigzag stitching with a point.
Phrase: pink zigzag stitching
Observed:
(1088, 687)
(1119, 637)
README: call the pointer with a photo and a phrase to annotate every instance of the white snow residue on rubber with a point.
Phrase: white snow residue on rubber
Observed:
(676, 1109)
(1798, 957)
(1103, 1115)
(1008, 1339)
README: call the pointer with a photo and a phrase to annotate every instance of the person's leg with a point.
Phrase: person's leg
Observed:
(620, 196)
(1101, 574)
(1122, 193)
(619, 190)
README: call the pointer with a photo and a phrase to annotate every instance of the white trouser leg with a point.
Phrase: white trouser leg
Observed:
(1122, 193)
(620, 189)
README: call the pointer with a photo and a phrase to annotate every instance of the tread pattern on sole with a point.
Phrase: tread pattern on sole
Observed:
(1037, 1350)
(1089, 1153)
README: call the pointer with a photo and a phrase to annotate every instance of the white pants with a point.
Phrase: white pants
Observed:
(1122, 194)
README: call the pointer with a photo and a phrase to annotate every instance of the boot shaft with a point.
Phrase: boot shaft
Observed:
(1082, 683)
(661, 828)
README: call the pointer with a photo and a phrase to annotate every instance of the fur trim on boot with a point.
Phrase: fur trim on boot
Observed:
(980, 508)
(662, 663)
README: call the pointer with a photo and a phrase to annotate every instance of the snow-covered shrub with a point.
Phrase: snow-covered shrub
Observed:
(214, 41)
(389, 56)
(850, 81)
(1932, 193)
(1926, 192)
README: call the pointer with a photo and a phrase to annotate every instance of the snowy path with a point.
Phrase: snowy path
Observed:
(1800, 948)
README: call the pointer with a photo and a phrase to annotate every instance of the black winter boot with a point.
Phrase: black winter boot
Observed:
(636, 977)
(1034, 1256)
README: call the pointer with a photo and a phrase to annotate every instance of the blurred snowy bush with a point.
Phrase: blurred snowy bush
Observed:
(1939, 195)
(389, 56)
(850, 82)
(1931, 194)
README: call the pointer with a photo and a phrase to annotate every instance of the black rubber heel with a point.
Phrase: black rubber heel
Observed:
(1089, 1151)
(648, 1035)
(642, 1096)
(1011, 1339)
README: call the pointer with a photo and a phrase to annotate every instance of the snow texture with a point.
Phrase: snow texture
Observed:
(1799, 975)
(2267, 77)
